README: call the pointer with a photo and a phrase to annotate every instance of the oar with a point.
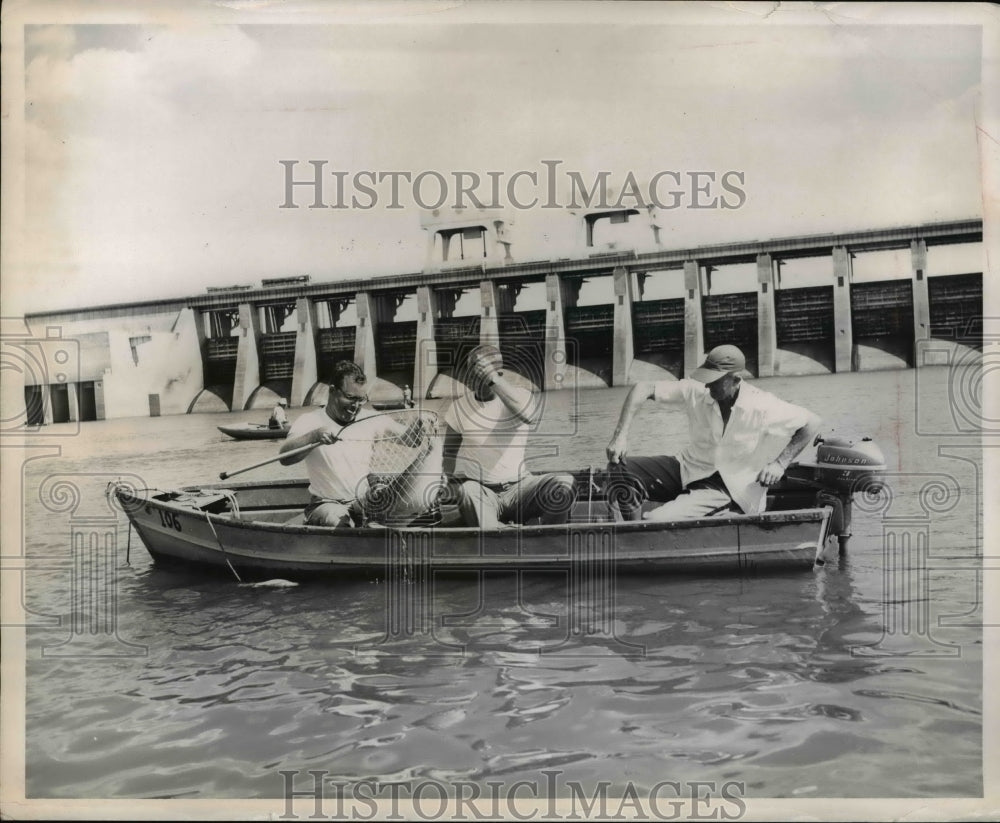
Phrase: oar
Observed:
(300, 450)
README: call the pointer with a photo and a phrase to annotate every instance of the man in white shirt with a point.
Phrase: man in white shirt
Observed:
(742, 440)
(486, 433)
(278, 418)
(338, 468)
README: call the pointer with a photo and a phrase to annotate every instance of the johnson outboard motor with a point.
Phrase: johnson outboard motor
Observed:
(842, 468)
(847, 466)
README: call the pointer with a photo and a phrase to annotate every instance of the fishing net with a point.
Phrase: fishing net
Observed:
(405, 476)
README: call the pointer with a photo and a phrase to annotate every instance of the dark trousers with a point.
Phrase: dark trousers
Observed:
(658, 479)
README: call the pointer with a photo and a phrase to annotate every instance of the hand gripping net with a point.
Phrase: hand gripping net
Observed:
(405, 476)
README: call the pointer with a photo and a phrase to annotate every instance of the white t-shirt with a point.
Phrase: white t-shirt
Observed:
(339, 470)
(760, 426)
(493, 437)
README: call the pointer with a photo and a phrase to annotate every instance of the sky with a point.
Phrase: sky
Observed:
(152, 146)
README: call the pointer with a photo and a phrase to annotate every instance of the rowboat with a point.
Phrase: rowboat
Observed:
(254, 431)
(256, 530)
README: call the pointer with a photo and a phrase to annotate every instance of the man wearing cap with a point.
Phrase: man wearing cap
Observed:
(486, 433)
(742, 440)
(278, 420)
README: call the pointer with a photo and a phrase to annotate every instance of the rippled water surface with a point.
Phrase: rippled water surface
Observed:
(844, 682)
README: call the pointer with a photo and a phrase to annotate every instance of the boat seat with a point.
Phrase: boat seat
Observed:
(284, 516)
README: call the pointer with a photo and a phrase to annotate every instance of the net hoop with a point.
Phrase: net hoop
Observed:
(405, 473)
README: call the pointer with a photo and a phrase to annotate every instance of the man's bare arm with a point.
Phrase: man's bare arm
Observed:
(316, 436)
(485, 371)
(639, 394)
(452, 443)
(527, 411)
(775, 470)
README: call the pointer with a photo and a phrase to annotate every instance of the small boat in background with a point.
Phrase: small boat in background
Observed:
(254, 431)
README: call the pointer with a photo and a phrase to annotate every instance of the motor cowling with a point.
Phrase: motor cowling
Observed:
(848, 466)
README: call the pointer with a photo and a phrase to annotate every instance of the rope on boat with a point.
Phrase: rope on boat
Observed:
(116, 484)
(233, 502)
(110, 489)
(230, 497)
(234, 506)
(211, 525)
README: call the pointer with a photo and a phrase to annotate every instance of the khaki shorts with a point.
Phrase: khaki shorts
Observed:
(322, 512)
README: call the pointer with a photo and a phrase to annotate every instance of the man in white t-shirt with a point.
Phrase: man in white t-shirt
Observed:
(486, 433)
(742, 440)
(338, 469)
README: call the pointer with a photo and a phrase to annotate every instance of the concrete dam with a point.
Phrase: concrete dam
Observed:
(608, 316)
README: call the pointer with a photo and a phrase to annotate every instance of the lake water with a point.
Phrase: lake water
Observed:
(862, 679)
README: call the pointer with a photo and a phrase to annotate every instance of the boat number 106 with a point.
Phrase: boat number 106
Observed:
(169, 519)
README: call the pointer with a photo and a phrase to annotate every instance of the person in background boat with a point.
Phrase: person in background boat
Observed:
(486, 433)
(278, 419)
(742, 440)
(407, 397)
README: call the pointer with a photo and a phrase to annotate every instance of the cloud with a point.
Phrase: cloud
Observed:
(55, 41)
(152, 159)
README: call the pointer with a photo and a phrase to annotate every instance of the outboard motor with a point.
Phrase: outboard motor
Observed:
(842, 468)
(846, 466)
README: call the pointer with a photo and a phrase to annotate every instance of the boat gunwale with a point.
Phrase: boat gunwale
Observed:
(763, 520)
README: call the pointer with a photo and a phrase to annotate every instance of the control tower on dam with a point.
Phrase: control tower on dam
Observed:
(621, 310)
